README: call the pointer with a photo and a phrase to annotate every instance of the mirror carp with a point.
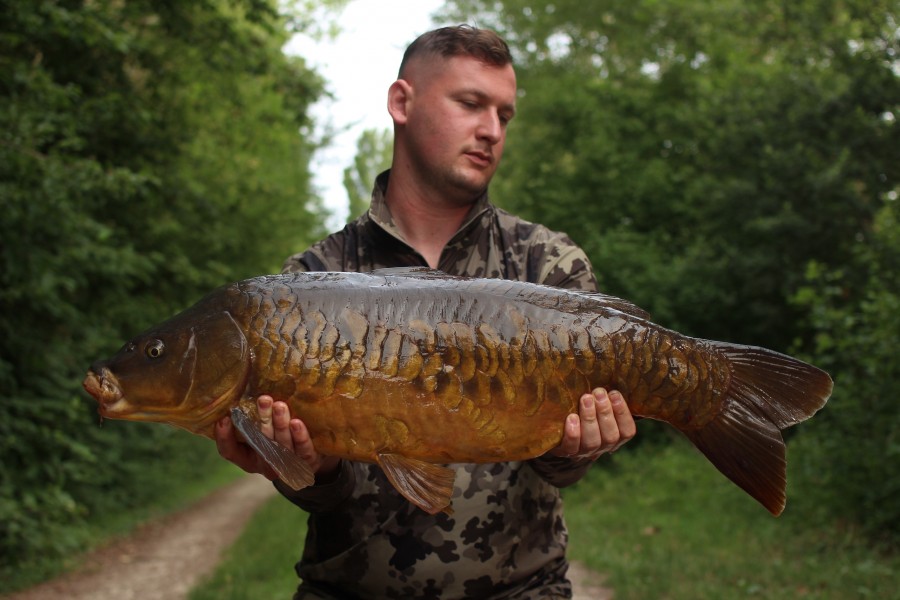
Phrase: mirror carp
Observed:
(412, 369)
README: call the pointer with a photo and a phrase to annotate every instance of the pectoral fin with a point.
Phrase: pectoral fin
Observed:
(426, 485)
(292, 469)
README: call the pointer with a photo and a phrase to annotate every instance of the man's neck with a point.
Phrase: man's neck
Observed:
(427, 224)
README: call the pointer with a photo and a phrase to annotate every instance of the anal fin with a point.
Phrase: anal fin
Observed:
(426, 485)
(292, 469)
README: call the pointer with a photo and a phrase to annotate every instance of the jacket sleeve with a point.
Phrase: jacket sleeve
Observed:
(322, 497)
(558, 471)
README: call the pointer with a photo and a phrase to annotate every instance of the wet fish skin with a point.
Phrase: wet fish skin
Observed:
(488, 380)
(413, 368)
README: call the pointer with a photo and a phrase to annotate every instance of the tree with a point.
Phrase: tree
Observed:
(703, 153)
(149, 152)
(733, 167)
(373, 155)
(852, 465)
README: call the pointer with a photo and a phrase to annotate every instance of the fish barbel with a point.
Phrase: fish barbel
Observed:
(413, 368)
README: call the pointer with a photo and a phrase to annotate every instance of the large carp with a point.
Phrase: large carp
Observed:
(412, 368)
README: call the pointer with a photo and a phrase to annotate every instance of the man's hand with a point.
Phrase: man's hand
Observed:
(276, 424)
(602, 425)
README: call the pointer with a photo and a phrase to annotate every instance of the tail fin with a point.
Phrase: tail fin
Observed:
(769, 392)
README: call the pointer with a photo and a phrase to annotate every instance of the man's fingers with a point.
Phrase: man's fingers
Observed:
(303, 445)
(323, 466)
(608, 427)
(264, 408)
(591, 433)
(281, 419)
(571, 437)
(624, 420)
(603, 424)
(232, 450)
(226, 444)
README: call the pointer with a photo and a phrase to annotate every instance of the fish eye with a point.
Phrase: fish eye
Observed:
(154, 349)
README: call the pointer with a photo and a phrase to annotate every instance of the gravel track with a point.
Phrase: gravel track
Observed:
(164, 559)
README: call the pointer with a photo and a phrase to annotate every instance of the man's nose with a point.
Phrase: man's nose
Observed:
(490, 127)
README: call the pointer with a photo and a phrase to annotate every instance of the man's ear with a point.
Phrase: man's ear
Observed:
(399, 98)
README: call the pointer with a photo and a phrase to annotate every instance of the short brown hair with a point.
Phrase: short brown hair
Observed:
(460, 40)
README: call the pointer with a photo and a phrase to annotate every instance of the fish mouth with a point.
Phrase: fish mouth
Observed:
(103, 385)
(105, 388)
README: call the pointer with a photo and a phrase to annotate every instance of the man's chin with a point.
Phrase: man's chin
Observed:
(471, 185)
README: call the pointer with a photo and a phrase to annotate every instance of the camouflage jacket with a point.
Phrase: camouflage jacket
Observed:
(506, 537)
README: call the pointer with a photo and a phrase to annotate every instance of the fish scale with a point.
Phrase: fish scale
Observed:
(471, 396)
(413, 368)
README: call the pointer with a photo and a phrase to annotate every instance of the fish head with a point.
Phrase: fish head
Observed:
(186, 372)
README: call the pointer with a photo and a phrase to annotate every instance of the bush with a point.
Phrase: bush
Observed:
(853, 455)
(148, 152)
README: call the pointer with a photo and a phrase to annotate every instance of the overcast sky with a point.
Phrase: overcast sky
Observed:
(359, 66)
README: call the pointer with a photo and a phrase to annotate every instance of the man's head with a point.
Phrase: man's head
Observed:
(460, 40)
(451, 105)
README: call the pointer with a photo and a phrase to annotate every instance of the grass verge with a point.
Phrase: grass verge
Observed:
(663, 523)
(659, 522)
(260, 564)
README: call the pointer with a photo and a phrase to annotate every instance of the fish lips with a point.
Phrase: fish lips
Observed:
(104, 387)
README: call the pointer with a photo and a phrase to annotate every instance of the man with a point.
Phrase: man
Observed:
(452, 102)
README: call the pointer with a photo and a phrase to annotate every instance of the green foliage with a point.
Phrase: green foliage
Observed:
(705, 154)
(373, 155)
(855, 460)
(149, 152)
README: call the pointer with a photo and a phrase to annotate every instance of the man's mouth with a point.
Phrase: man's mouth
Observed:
(480, 158)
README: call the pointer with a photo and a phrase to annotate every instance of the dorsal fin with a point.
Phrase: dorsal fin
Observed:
(427, 273)
(614, 302)
(422, 272)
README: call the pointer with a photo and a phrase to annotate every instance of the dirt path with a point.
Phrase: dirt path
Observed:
(164, 559)
(587, 584)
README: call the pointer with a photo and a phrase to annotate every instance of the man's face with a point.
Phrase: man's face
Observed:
(456, 122)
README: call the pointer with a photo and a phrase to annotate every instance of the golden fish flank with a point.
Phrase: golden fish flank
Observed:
(413, 368)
